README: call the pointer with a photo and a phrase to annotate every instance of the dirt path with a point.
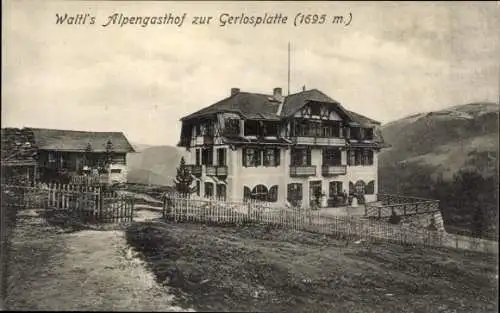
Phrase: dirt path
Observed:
(84, 270)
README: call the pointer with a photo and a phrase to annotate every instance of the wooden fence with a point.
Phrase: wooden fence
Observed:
(347, 227)
(75, 200)
(387, 204)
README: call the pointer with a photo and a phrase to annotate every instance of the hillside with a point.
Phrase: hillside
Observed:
(450, 155)
(154, 164)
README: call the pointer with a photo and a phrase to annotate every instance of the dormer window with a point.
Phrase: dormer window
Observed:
(252, 128)
(315, 109)
(231, 126)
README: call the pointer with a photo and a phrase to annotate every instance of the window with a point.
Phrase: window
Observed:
(198, 185)
(259, 192)
(209, 129)
(332, 157)
(51, 157)
(355, 133)
(252, 157)
(252, 128)
(207, 156)
(221, 156)
(273, 194)
(271, 157)
(335, 188)
(359, 187)
(231, 126)
(367, 157)
(315, 109)
(300, 128)
(294, 193)
(368, 133)
(270, 129)
(115, 171)
(301, 157)
(359, 157)
(209, 190)
(351, 157)
(221, 191)
(197, 130)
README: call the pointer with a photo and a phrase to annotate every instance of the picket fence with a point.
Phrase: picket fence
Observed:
(370, 229)
(77, 200)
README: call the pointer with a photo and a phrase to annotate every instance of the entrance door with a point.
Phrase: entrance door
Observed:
(314, 192)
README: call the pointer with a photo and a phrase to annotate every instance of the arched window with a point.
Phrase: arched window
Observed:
(273, 194)
(259, 192)
(209, 190)
(370, 188)
(360, 187)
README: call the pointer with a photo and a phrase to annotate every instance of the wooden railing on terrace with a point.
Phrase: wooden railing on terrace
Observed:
(386, 204)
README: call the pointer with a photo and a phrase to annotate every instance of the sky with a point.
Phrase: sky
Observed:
(391, 61)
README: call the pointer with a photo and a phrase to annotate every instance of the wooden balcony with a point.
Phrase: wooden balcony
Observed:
(212, 170)
(302, 171)
(320, 141)
(331, 170)
(221, 170)
(195, 170)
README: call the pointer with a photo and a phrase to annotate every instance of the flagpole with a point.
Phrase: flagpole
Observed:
(289, 68)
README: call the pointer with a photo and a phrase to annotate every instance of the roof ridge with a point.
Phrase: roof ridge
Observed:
(72, 130)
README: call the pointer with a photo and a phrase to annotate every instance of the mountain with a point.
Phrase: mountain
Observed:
(450, 155)
(156, 165)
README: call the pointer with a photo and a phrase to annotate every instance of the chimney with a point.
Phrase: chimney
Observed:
(234, 91)
(278, 95)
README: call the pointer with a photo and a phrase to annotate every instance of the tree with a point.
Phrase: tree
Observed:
(183, 179)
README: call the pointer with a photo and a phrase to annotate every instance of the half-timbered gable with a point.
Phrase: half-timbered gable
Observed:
(277, 147)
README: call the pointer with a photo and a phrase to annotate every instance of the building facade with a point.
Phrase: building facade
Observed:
(60, 155)
(304, 148)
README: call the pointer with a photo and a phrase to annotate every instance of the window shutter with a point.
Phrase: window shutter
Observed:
(258, 157)
(277, 157)
(299, 188)
(308, 151)
(244, 157)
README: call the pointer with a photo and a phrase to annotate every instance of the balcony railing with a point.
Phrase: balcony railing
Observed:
(212, 170)
(302, 171)
(326, 141)
(329, 170)
(195, 170)
(221, 170)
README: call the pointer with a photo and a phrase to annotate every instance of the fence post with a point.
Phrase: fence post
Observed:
(164, 207)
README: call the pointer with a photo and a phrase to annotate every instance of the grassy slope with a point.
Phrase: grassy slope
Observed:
(430, 147)
(259, 269)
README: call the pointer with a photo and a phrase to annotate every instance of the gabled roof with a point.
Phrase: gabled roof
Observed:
(71, 140)
(265, 107)
(248, 105)
(296, 101)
